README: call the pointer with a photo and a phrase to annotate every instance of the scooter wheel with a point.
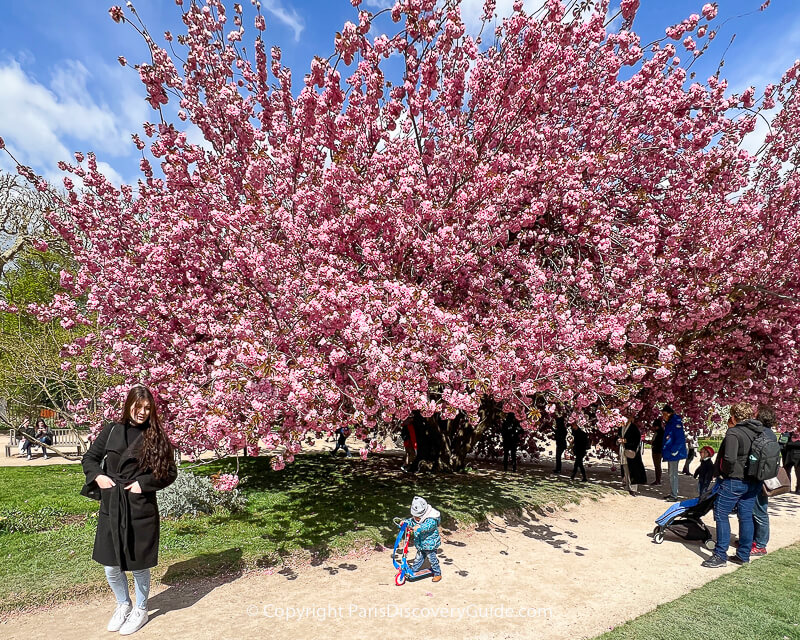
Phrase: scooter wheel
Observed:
(400, 579)
(710, 544)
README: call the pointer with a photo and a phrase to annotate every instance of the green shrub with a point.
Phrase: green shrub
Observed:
(191, 495)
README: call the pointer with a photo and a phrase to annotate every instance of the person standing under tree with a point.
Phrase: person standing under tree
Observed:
(691, 444)
(656, 445)
(630, 457)
(674, 449)
(561, 440)
(580, 445)
(737, 490)
(766, 416)
(511, 432)
(127, 463)
(791, 460)
(409, 436)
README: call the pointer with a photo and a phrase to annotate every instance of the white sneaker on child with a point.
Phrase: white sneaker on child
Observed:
(135, 621)
(120, 613)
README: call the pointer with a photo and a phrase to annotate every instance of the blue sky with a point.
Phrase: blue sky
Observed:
(62, 89)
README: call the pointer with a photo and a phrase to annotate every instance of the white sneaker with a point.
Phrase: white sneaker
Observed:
(120, 613)
(135, 621)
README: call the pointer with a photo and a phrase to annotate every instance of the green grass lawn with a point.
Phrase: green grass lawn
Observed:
(758, 601)
(711, 442)
(316, 507)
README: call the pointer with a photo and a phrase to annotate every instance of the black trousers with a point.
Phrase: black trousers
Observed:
(788, 468)
(689, 458)
(579, 465)
(512, 451)
(560, 448)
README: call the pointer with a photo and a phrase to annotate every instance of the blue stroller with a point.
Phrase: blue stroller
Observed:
(684, 519)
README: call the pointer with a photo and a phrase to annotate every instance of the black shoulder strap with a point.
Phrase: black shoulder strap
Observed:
(745, 440)
(105, 454)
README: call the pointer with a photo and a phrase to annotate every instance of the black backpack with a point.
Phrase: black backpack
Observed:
(764, 458)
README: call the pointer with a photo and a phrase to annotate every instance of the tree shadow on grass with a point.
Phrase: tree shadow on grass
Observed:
(320, 499)
(191, 580)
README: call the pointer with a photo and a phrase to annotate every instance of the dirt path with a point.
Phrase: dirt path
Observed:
(574, 574)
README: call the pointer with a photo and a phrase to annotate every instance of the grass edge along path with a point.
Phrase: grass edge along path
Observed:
(759, 601)
(317, 509)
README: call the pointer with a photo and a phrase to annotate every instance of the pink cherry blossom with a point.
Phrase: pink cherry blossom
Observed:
(225, 482)
(551, 220)
(709, 10)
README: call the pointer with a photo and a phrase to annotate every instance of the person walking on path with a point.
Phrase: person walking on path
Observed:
(561, 440)
(792, 459)
(766, 416)
(580, 445)
(674, 449)
(736, 489)
(656, 445)
(342, 433)
(126, 465)
(691, 444)
(510, 432)
(630, 457)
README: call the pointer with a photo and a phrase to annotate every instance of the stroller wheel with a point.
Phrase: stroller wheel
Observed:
(658, 535)
(400, 578)
(710, 544)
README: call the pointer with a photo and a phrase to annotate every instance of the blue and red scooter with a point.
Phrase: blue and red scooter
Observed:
(400, 560)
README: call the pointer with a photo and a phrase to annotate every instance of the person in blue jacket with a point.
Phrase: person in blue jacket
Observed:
(424, 523)
(674, 448)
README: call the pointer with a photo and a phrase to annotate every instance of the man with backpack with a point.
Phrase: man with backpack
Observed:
(766, 416)
(746, 458)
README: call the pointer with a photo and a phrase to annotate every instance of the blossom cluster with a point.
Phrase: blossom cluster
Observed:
(518, 221)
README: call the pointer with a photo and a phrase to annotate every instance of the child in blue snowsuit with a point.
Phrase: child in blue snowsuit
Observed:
(424, 523)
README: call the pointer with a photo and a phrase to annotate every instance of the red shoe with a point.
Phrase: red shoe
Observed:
(758, 551)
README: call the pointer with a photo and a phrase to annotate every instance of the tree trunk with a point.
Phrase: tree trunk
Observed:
(451, 441)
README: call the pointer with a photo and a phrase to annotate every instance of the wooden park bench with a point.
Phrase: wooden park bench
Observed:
(62, 438)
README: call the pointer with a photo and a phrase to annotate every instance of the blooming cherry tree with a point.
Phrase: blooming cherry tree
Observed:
(553, 213)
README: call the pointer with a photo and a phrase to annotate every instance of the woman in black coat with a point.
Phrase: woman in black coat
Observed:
(127, 463)
(791, 460)
(630, 442)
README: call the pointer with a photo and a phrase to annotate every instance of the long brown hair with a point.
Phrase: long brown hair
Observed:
(155, 451)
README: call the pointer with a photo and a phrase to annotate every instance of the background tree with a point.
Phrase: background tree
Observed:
(36, 371)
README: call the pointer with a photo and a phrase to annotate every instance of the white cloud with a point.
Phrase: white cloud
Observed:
(614, 25)
(43, 123)
(472, 13)
(195, 136)
(758, 71)
(287, 16)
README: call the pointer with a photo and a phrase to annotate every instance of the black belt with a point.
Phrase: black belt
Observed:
(119, 516)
